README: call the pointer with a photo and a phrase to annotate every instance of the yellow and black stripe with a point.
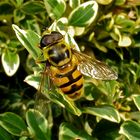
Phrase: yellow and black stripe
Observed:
(62, 65)
(69, 80)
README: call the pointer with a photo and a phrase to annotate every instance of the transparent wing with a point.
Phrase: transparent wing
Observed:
(41, 100)
(94, 68)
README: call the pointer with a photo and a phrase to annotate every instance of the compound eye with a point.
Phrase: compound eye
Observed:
(50, 39)
(45, 41)
(57, 35)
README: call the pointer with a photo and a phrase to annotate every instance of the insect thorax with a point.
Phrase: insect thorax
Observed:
(59, 54)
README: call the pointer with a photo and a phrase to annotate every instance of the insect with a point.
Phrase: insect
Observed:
(66, 66)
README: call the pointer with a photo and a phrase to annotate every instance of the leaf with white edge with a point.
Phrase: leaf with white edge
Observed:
(70, 40)
(33, 80)
(13, 123)
(131, 130)
(38, 125)
(10, 61)
(136, 99)
(65, 102)
(23, 138)
(106, 112)
(54, 95)
(124, 41)
(30, 40)
(53, 26)
(4, 135)
(18, 15)
(84, 14)
(74, 3)
(55, 8)
(19, 3)
(60, 25)
(120, 2)
(69, 132)
(33, 7)
(108, 87)
(133, 115)
(79, 31)
(104, 2)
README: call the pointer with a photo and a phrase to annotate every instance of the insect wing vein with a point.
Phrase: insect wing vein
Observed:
(40, 99)
(94, 68)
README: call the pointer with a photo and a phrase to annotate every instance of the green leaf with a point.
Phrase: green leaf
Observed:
(38, 125)
(53, 95)
(55, 8)
(23, 138)
(6, 9)
(131, 130)
(124, 41)
(19, 2)
(135, 115)
(104, 2)
(69, 132)
(106, 112)
(10, 62)
(30, 40)
(4, 135)
(79, 30)
(120, 2)
(70, 40)
(88, 91)
(84, 14)
(136, 99)
(65, 102)
(16, 3)
(74, 3)
(106, 130)
(14, 45)
(125, 23)
(33, 7)
(18, 15)
(13, 124)
(3, 36)
(33, 25)
(33, 80)
(108, 87)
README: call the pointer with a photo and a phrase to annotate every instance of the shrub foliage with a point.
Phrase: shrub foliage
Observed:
(107, 30)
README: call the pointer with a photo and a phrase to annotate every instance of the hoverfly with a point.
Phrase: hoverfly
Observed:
(66, 66)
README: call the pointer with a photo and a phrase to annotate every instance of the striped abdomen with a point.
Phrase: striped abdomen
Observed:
(69, 80)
